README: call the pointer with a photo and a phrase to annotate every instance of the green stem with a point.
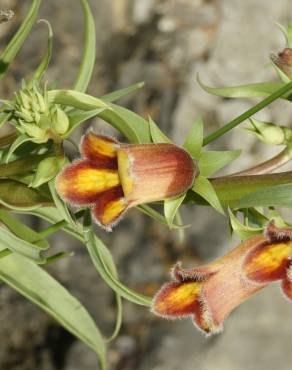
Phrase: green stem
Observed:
(250, 112)
(231, 189)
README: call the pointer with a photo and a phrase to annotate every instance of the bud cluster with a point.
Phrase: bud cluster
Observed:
(35, 116)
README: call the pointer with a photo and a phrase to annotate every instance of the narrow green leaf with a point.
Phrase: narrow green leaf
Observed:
(287, 31)
(77, 117)
(88, 57)
(19, 141)
(194, 140)
(41, 69)
(75, 99)
(283, 77)
(243, 91)
(212, 161)
(20, 166)
(19, 195)
(285, 89)
(156, 134)
(151, 212)
(243, 231)
(205, 189)
(4, 117)
(134, 127)
(270, 196)
(17, 245)
(94, 248)
(22, 231)
(118, 94)
(171, 207)
(60, 205)
(18, 39)
(42, 289)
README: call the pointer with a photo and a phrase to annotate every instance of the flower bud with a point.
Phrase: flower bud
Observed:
(60, 121)
(113, 176)
(270, 133)
(284, 61)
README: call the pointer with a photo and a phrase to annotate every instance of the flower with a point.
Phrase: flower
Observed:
(209, 293)
(113, 176)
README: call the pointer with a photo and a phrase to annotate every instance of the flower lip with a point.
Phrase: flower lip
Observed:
(113, 176)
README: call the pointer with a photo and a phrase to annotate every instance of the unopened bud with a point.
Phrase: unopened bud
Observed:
(284, 61)
(60, 121)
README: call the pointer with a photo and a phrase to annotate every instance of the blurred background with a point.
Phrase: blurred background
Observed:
(165, 43)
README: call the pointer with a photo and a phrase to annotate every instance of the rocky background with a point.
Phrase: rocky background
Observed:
(164, 43)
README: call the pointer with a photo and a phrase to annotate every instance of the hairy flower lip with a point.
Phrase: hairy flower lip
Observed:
(209, 293)
(112, 176)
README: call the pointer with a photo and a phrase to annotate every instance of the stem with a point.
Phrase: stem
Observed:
(236, 121)
(230, 189)
(268, 166)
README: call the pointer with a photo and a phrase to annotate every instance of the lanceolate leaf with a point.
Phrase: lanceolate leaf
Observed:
(22, 231)
(194, 140)
(19, 195)
(94, 248)
(244, 91)
(243, 231)
(77, 117)
(212, 161)
(41, 69)
(16, 42)
(156, 134)
(171, 207)
(205, 189)
(19, 141)
(17, 245)
(276, 196)
(38, 286)
(134, 127)
(88, 57)
(20, 166)
(118, 94)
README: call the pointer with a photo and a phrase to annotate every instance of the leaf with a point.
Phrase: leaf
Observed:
(134, 127)
(46, 170)
(88, 57)
(118, 94)
(77, 117)
(212, 161)
(20, 166)
(19, 195)
(243, 91)
(42, 289)
(287, 33)
(18, 39)
(194, 140)
(171, 207)
(156, 134)
(17, 245)
(205, 189)
(60, 205)
(243, 231)
(19, 141)
(41, 69)
(22, 231)
(276, 196)
(4, 117)
(75, 99)
(93, 245)
(151, 212)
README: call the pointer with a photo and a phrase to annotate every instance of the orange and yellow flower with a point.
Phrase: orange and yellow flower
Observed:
(113, 177)
(209, 293)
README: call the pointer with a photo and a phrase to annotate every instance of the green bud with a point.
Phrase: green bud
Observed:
(25, 100)
(34, 131)
(60, 121)
(41, 102)
(270, 133)
(46, 170)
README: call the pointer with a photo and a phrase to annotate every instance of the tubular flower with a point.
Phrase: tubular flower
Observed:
(113, 177)
(209, 293)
